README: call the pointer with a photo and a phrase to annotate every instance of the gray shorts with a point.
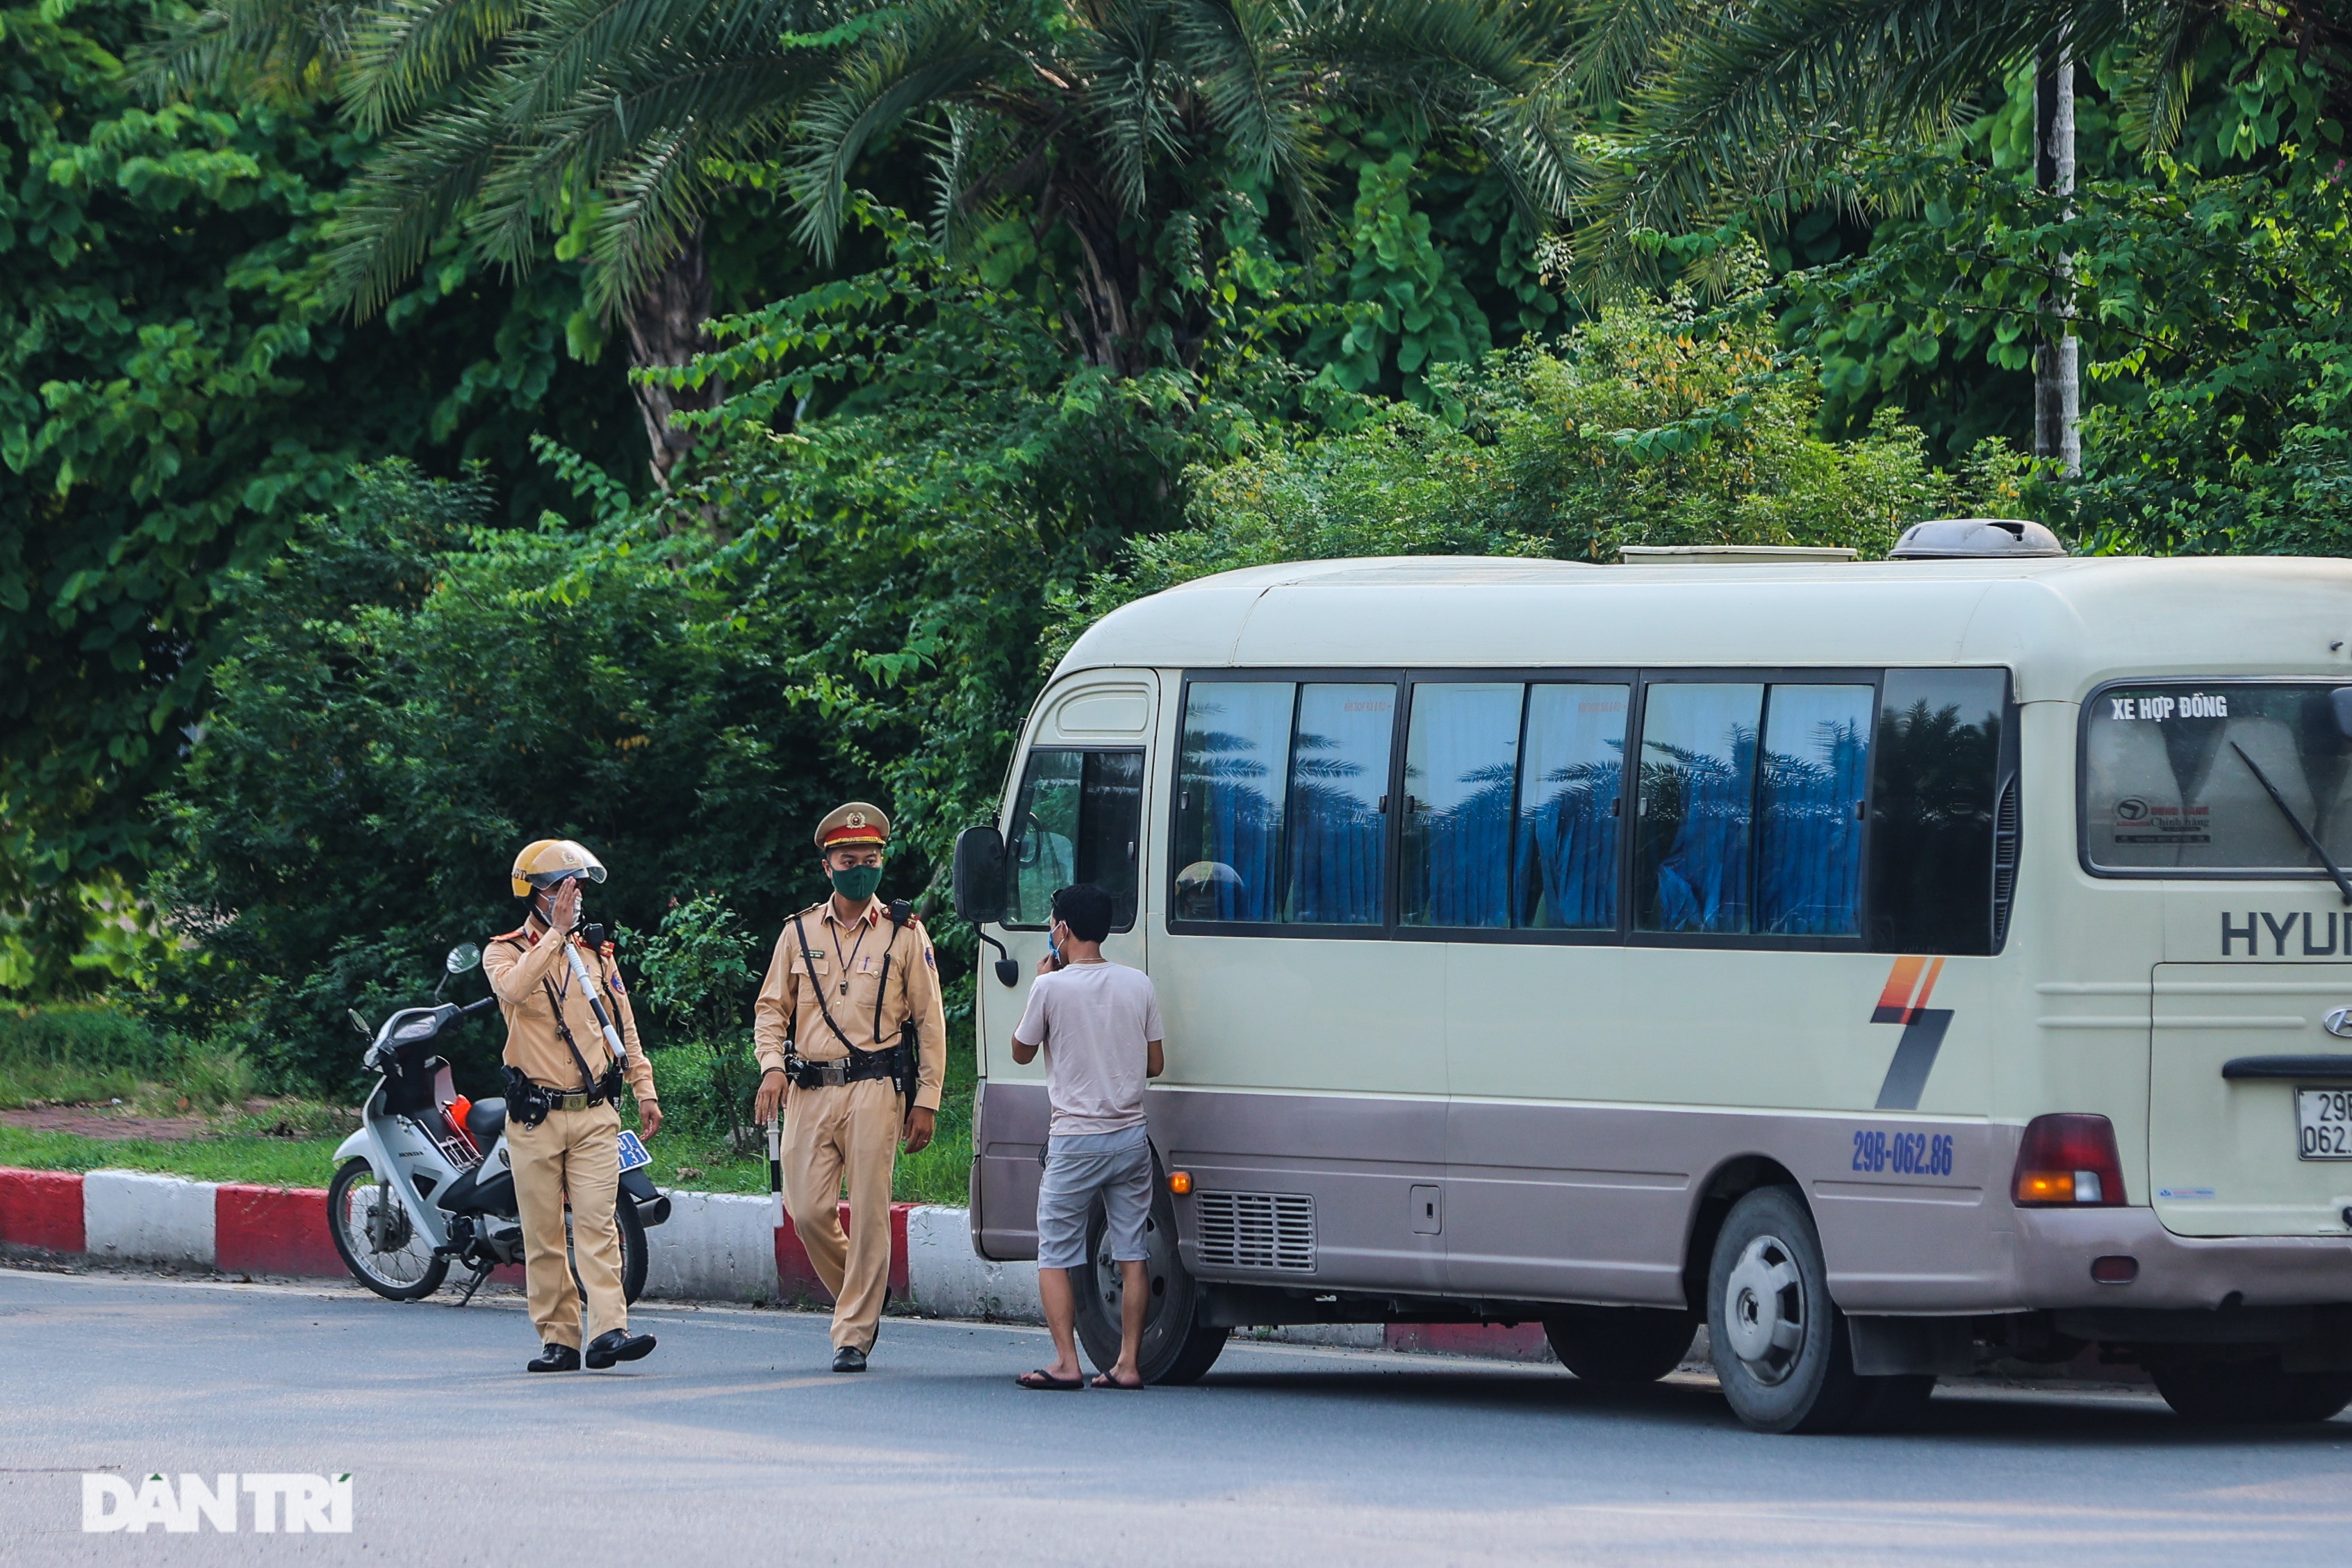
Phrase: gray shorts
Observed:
(1116, 1164)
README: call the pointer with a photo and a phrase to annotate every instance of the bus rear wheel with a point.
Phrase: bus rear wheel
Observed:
(1781, 1349)
(1621, 1344)
(2249, 1393)
(1176, 1349)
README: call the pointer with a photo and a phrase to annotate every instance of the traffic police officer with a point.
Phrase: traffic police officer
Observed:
(847, 1022)
(563, 1125)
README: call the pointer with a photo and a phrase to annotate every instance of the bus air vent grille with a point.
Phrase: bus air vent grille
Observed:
(1255, 1230)
(2004, 860)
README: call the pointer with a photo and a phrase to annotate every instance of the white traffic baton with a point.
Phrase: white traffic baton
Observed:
(595, 1004)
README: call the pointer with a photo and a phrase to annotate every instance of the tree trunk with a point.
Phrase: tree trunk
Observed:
(1101, 304)
(667, 326)
(2057, 364)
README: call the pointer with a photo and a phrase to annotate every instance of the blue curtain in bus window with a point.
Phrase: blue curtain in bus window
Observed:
(1809, 808)
(1572, 775)
(1229, 791)
(1695, 816)
(1461, 759)
(1339, 771)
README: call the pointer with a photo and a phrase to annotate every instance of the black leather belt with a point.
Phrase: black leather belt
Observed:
(856, 1069)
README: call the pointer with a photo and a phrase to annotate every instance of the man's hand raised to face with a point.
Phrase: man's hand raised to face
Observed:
(563, 908)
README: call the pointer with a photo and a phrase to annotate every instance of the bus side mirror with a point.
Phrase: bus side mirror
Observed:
(979, 882)
(2342, 699)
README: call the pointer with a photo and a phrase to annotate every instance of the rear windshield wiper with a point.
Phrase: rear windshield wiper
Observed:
(2310, 838)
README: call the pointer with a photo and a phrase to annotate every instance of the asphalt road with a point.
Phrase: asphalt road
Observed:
(733, 1443)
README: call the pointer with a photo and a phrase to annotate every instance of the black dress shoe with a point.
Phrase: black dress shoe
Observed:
(850, 1358)
(554, 1358)
(617, 1344)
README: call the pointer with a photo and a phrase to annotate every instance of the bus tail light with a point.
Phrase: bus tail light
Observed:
(2068, 1160)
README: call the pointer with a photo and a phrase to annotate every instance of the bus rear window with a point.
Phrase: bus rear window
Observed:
(2223, 776)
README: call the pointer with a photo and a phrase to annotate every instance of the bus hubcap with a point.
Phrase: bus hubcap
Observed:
(1764, 1310)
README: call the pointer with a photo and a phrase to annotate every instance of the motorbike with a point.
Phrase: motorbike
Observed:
(427, 1180)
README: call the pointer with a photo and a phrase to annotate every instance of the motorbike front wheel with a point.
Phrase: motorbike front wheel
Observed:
(388, 1255)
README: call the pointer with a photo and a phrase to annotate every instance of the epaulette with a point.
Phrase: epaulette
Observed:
(520, 934)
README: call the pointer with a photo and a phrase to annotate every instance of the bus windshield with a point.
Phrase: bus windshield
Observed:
(2218, 778)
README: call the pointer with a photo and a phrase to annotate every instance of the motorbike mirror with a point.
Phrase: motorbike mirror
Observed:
(367, 1029)
(463, 958)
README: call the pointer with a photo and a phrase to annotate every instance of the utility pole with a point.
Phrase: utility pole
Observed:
(2057, 366)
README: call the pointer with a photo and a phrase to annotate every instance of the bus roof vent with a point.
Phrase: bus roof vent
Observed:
(1732, 555)
(1975, 539)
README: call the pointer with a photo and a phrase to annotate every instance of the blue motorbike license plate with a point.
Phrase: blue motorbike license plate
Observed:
(633, 1152)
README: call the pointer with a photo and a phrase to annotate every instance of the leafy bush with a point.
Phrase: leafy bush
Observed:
(410, 698)
(697, 973)
(706, 1094)
(1650, 425)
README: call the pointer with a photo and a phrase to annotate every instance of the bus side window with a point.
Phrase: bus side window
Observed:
(1572, 776)
(1695, 817)
(1230, 792)
(1461, 758)
(1336, 857)
(1809, 822)
(1079, 818)
(1935, 775)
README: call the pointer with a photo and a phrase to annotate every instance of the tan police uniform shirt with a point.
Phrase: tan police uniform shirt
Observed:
(851, 954)
(517, 964)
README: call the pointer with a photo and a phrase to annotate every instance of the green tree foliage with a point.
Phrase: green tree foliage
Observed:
(408, 698)
(1652, 424)
(1441, 262)
(1749, 106)
(1117, 122)
(2210, 298)
(173, 395)
(697, 972)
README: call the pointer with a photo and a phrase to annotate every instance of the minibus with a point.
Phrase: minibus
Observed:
(1897, 967)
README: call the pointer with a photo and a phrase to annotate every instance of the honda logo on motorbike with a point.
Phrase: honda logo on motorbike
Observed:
(2338, 1023)
(308, 1504)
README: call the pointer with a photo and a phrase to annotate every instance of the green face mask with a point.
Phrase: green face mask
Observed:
(857, 883)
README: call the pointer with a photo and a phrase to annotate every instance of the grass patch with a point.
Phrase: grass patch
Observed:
(263, 1161)
(64, 1084)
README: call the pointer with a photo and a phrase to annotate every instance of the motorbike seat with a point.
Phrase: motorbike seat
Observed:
(486, 1121)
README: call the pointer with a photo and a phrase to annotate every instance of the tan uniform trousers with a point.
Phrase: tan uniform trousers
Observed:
(578, 1151)
(826, 1129)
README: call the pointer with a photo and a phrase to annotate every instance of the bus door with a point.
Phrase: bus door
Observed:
(1078, 809)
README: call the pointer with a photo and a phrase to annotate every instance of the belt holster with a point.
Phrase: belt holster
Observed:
(527, 1103)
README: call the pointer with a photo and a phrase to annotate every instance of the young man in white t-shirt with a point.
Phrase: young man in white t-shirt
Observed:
(1099, 1024)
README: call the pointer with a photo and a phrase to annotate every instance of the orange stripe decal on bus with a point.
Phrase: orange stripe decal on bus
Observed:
(1908, 989)
(1894, 1001)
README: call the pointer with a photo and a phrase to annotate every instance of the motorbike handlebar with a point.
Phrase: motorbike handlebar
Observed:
(485, 1005)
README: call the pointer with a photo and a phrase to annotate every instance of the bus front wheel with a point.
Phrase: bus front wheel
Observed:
(1780, 1346)
(1176, 1349)
(1621, 1344)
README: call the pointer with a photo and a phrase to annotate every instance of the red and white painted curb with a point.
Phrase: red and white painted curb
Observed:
(715, 1246)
